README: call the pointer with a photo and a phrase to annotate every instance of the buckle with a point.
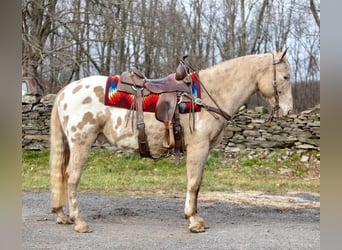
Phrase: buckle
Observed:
(199, 101)
(180, 99)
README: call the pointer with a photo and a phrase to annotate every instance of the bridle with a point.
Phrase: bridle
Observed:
(276, 92)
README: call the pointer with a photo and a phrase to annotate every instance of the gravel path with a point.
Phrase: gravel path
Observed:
(237, 221)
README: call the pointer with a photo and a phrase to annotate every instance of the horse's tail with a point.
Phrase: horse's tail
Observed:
(59, 158)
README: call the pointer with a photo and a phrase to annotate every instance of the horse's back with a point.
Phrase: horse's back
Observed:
(85, 87)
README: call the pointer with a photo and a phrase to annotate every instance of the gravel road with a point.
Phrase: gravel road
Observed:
(236, 220)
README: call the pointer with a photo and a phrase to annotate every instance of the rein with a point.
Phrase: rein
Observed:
(276, 93)
(190, 70)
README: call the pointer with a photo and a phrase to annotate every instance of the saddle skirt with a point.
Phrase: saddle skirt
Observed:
(121, 99)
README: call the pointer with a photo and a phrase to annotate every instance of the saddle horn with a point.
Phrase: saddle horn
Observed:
(183, 69)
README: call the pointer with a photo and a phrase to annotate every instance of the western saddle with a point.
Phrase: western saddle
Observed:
(170, 88)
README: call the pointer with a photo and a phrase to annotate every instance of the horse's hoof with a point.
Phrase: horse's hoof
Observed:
(64, 220)
(197, 224)
(82, 228)
(198, 227)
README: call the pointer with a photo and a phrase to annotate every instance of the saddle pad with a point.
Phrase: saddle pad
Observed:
(120, 99)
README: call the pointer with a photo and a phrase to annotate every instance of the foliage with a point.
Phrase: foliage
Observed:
(107, 173)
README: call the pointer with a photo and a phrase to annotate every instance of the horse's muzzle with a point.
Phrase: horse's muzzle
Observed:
(283, 112)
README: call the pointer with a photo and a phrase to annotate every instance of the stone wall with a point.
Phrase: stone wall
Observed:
(248, 131)
(36, 121)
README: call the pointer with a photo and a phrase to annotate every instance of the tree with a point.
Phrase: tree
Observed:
(64, 40)
(315, 13)
(38, 18)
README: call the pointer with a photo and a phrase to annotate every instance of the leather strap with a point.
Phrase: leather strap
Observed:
(222, 113)
(142, 138)
(276, 93)
(178, 135)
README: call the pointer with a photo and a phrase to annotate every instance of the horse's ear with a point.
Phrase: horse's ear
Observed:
(283, 54)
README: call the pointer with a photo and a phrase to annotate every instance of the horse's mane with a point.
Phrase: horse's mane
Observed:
(229, 63)
(233, 62)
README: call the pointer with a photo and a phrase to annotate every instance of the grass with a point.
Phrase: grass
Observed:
(126, 174)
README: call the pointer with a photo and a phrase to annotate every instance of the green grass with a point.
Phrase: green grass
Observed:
(127, 174)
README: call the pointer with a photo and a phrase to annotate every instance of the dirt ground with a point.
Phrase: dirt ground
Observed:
(240, 220)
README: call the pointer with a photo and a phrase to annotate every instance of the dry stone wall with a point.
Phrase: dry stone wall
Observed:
(36, 121)
(248, 131)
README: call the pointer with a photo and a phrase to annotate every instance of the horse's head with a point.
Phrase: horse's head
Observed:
(275, 84)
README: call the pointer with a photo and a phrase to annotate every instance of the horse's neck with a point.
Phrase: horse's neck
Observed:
(231, 83)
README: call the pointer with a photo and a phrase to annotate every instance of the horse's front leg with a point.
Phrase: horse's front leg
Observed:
(197, 155)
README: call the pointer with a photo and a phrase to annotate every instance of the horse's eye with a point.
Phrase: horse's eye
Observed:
(286, 77)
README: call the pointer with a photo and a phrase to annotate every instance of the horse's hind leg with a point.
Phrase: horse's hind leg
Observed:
(78, 156)
(59, 159)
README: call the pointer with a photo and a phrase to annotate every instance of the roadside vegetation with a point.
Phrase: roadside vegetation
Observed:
(124, 174)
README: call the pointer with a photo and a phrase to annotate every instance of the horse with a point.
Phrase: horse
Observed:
(79, 116)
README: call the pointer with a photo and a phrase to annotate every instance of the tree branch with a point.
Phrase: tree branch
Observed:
(315, 13)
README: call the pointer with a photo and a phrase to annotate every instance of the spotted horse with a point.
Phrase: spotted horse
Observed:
(79, 116)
